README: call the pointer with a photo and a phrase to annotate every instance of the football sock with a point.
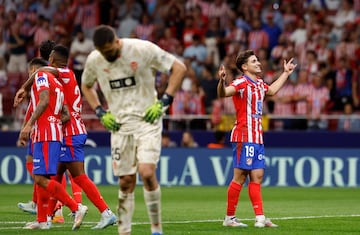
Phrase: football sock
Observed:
(34, 196)
(125, 211)
(57, 190)
(255, 197)
(42, 205)
(153, 204)
(76, 190)
(91, 191)
(233, 195)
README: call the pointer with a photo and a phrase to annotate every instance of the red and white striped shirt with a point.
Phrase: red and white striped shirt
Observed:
(248, 102)
(75, 126)
(48, 126)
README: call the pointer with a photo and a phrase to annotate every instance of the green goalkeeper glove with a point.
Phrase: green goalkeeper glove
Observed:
(156, 110)
(107, 119)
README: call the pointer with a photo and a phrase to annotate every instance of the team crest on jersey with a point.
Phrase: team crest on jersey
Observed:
(134, 65)
(249, 161)
(41, 81)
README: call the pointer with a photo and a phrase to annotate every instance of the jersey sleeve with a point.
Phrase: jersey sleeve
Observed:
(41, 81)
(161, 60)
(238, 83)
(89, 74)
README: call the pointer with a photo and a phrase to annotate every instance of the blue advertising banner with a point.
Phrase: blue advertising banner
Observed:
(304, 167)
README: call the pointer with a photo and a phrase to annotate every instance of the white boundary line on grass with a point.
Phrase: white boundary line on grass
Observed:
(88, 223)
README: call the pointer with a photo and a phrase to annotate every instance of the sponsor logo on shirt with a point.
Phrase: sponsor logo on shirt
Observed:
(122, 82)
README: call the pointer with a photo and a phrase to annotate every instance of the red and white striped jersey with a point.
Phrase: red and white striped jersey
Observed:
(75, 125)
(48, 126)
(248, 102)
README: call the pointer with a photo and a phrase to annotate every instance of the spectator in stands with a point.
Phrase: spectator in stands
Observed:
(187, 140)
(257, 37)
(169, 42)
(214, 40)
(318, 101)
(235, 38)
(87, 16)
(128, 17)
(17, 65)
(349, 121)
(80, 48)
(343, 84)
(302, 92)
(284, 106)
(166, 141)
(208, 82)
(221, 9)
(273, 31)
(197, 54)
(219, 140)
(46, 9)
(145, 30)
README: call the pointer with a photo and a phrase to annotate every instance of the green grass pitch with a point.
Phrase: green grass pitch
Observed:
(200, 210)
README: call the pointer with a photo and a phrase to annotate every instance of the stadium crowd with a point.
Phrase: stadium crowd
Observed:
(322, 36)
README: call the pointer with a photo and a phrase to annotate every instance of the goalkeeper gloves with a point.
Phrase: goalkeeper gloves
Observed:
(107, 119)
(157, 109)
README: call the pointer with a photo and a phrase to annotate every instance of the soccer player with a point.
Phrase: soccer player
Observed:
(248, 92)
(125, 71)
(75, 136)
(48, 114)
(44, 50)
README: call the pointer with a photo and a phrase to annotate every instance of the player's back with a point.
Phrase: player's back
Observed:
(48, 126)
(73, 99)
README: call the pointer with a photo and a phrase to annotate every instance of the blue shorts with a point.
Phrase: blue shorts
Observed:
(72, 149)
(248, 156)
(46, 157)
(30, 148)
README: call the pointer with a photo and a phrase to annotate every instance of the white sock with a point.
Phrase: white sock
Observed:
(125, 211)
(260, 217)
(153, 204)
(106, 213)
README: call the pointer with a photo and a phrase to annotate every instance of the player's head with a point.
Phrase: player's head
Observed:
(59, 56)
(36, 63)
(247, 61)
(106, 42)
(45, 48)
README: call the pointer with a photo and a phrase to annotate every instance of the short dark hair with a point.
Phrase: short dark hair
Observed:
(38, 61)
(61, 51)
(243, 57)
(103, 34)
(45, 48)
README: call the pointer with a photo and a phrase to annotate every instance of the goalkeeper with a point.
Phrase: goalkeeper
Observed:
(125, 71)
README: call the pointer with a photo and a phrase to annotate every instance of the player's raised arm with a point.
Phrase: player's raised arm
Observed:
(289, 67)
(222, 89)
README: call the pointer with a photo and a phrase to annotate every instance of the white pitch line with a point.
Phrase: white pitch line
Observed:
(89, 223)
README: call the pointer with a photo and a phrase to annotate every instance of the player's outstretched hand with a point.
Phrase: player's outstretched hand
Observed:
(19, 97)
(154, 112)
(107, 119)
(289, 66)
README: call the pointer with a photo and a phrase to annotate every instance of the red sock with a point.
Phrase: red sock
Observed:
(255, 197)
(57, 190)
(61, 179)
(233, 195)
(42, 204)
(76, 190)
(91, 191)
(34, 197)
